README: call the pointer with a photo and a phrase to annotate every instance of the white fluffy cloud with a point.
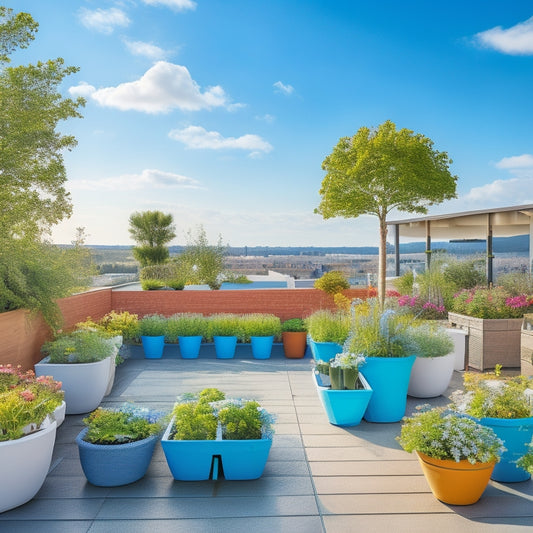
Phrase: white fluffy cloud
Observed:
(516, 162)
(149, 50)
(148, 178)
(82, 89)
(163, 87)
(199, 138)
(177, 5)
(282, 88)
(103, 20)
(514, 191)
(517, 40)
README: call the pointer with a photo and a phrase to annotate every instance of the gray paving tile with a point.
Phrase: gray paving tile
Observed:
(58, 509)
(50, 526)
(266, 486)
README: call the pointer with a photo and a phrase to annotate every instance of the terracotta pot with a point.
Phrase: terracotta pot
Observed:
(294, 344)
(455, 483)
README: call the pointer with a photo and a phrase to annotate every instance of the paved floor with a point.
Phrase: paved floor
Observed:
(319, 477)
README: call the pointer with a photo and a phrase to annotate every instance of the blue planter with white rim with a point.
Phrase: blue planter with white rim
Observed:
(389, 379)
(153, 346)
(190, 346)
(262, 346)
(113, 465)
(225, 346)
(344, 407)
(324, 351)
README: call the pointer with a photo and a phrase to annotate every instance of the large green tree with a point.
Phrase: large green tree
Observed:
(378, 170)
(151, 230)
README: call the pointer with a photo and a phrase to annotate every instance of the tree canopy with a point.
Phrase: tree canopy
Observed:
(382, 169)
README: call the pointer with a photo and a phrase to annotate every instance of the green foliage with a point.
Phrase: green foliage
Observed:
(465, 274)
(294, 324)
(516, 283)
(153, 325)
(526, 461)
(224, 324)
(80, 346)
(328, 326)
(332, 282)
(241, 421)
(443, 434)
(378, 170)
(404, 284)
(122, 323)
(110, 426)
(343, 370)
(186, 325)
(151, 230)
(259, 325)
(151, 284)
(431, 340)
(200, 262)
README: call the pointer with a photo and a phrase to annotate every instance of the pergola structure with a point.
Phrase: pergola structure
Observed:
(482, 224)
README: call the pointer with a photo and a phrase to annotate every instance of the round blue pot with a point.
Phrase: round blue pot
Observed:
(190, 346)
(324, 351)
(515, 433)
(225, 346)
(153, 346)
(344, 407)
(262, 346)
(389, 379)
(112, 465)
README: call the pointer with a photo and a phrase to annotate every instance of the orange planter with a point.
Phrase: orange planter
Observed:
(455, 483)
(294, 343)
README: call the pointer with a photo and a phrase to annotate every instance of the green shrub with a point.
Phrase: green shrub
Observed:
(332, 282)
(80, 346)
(260, 325)
(294, 324)
(516, 283)
(465, 274)
(153, 325)
(151, 284)
(404, 284)
(224, 324)
(186, 325)
(123, 323)
(328, 326)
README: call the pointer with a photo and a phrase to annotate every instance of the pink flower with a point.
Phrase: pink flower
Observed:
(27, 395)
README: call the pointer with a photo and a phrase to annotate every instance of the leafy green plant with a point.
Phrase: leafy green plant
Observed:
(516, 283)
(332, 282)
(343, 370)
(151, 284)
(294, 325)
(244, 420)
(404, 284)
(443, 434)
(526, 461)
(186, 325)
(465, 274)
(153, 325)
(224, 324)
(123, 323)
(119, 426)
(431, 340)
(328, 326)
(80, 346)
(260, 325)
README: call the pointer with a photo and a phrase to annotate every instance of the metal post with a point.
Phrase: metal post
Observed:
(490, 255)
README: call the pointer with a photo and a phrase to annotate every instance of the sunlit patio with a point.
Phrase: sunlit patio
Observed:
(318, 478)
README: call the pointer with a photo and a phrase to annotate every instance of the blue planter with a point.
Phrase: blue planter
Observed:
(190, 346)
(389, 379)
(344, 407)
(112, 465)
(225, 346)
(153, 346)
(324, 351)
(262, 346)
(194, 460)
(516, 434)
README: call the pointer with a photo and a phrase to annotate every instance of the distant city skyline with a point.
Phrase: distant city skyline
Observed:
(221, 113)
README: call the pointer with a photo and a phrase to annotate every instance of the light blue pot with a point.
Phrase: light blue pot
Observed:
(225, 346)
(389, 379)
(190, 346)
(344, 407)
(516, 434)
(324, 351)
(112, 465)
(192, 460)
(262, 347)
(153, 346)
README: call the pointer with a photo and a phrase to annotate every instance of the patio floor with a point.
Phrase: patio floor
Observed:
(319, 477)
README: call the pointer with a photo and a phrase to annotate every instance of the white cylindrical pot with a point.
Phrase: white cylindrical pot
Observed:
(459, 341)
(431, 376)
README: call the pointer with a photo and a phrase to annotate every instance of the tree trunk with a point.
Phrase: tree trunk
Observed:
(382, 263)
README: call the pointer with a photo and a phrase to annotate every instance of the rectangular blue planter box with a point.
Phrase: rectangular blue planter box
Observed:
(191, 460)
(344, 407)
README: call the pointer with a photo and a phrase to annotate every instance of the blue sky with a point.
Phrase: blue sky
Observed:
(222, 111)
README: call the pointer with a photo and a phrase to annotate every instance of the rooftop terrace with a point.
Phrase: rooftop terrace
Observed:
(319, 477)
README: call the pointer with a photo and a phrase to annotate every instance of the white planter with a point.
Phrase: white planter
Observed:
(24, 464)
(430, 376)
(459, 341)
(117, 342)
(84, 383)
(60, 412)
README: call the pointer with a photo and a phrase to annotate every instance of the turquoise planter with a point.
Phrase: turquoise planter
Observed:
(190, 346)
(389, 379)
(516, 434)
(200, 460)
(225, 346)
(344, 407)
(153, 346)
(113, 465)
(262, 347)
(324, 351)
